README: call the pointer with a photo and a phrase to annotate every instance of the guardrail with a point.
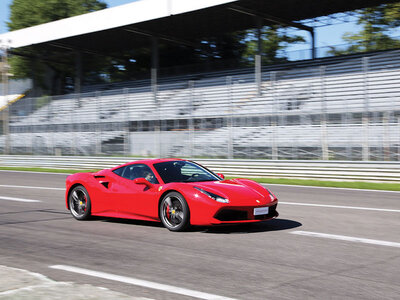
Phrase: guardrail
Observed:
(318, 170)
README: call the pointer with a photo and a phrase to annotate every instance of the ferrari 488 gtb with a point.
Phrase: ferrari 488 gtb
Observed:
(176, 192)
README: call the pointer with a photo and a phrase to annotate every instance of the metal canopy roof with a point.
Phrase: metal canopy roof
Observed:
(181, 21)
(103, 20)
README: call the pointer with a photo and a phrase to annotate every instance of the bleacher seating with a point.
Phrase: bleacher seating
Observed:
(338, 90)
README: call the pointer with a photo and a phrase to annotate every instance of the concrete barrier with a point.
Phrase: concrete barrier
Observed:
(319, 170)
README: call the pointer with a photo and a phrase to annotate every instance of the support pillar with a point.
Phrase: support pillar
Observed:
(274, 123)
(258, 56)
(78, 72)
(313, 49)
(191, 121)
(230, 117)
(154, 73)
(154, 66)
(6, 110)
(324, 131)
(365, 118)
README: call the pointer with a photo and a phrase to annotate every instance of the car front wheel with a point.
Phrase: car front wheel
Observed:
(174, 212)
(79, 203)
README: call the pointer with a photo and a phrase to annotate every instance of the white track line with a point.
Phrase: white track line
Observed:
(347, 238)
(31, 187)
(340, 206)
(18, 199)
(35, 172)
(143, 283)
(329, 188)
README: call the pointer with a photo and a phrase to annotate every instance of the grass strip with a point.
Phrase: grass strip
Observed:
(335, 184)
(47, 170)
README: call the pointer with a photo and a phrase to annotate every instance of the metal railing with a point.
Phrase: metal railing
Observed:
(318, 170)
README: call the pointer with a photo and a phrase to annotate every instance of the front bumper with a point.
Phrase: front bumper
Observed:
(213, 213)
(243, 214)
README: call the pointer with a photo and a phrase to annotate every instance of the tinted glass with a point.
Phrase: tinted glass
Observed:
(119, 171)
(132, 172)
(183, 171)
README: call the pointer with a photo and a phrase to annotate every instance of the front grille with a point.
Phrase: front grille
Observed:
(243, 213)
(231, 215)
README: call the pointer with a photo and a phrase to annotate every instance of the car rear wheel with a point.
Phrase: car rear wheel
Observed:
(79, 203)
(174, 212)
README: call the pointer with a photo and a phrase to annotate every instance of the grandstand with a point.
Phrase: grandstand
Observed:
(333, 108)
(337, 108)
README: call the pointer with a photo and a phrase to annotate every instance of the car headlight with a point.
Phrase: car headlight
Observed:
(271, 196)
(212, 195)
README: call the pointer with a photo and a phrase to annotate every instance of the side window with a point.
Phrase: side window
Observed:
(132, 172)
(127, 173)
(119, 171)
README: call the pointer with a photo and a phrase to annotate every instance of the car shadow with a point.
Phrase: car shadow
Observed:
(127, 221)
(271, 225)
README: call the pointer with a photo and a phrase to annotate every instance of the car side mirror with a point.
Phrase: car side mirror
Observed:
(221, 175)
(142, 181)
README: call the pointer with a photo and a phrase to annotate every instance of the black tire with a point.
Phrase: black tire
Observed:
(79, 203)
(174, 212)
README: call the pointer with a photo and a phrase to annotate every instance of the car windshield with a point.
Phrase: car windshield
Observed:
(183, 171)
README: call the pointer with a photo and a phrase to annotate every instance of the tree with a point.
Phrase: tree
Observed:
(53, 69)
(273, 42)
(26, 13)
(31, 61)
(375, 35)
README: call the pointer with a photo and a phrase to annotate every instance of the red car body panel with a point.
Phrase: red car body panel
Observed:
(114, 196)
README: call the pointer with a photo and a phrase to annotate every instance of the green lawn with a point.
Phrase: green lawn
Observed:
(49, 170)
(338, 184)
(305, 182)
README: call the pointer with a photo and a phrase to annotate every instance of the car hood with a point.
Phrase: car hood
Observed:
(241, 192)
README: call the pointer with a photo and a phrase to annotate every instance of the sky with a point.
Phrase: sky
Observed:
(328, 35)
(5, 10)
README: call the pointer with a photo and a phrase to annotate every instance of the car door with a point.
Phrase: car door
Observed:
(137, 200)
(117, 188)
(101, 193)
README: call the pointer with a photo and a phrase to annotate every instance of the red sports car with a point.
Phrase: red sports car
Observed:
(176, 192)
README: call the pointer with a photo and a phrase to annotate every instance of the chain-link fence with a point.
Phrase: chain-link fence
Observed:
(348, 109)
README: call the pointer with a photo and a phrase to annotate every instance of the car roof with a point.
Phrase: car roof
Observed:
(148, 161)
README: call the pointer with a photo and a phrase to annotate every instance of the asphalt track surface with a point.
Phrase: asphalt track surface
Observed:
(321, 250)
